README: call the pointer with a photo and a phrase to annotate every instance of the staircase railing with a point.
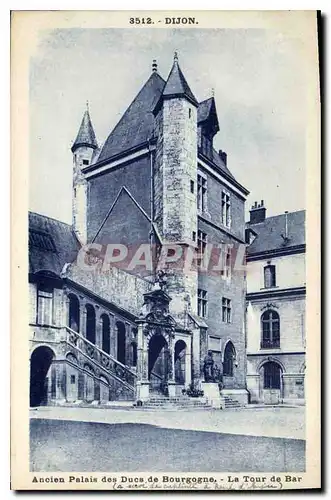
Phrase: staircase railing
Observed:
(101, 358)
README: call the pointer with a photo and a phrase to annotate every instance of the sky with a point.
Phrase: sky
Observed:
(259, 83)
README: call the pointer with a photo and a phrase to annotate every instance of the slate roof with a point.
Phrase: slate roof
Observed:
(86, 135)
(137, 124)
(51, 244)
(270, 230)
(177, 85)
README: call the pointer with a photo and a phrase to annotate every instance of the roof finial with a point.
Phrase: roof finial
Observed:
(213, 92)
(154, 66)
(175, 56)
(87, 108)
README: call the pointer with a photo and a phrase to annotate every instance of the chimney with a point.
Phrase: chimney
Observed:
(257, 213)
(223, 156)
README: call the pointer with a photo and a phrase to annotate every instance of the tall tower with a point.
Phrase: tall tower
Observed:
(175, 177)
(82, 150)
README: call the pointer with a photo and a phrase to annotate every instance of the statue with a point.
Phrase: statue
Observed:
(208, 368)
(161, 279)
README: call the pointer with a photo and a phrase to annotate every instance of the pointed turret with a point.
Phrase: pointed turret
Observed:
(83, 150)
(177, 85)
(86, 136)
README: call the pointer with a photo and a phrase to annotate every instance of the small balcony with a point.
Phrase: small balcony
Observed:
(270, 344)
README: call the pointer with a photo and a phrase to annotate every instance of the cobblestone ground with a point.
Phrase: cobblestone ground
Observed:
(89, 440)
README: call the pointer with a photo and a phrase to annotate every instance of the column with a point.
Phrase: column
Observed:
(113, 338)
(98, 327)
(142, 392)
(60, 382)
(82, 317)
(188, 354)
(171, 371)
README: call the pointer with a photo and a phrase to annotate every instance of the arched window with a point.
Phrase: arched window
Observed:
(105, 328)
(228, 360)
(73, 313)
(272, 375)
(270, 330)
(90, 323)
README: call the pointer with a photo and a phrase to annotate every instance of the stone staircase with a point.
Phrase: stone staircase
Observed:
(160, 402)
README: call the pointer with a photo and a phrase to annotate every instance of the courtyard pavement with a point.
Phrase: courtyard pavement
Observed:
(267, 422)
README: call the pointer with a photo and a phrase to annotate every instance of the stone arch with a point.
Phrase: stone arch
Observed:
(74, 312)
(105, 331)
(90, 327)
(40, 363)
(179, 361)
(72, 358)
(270, 358)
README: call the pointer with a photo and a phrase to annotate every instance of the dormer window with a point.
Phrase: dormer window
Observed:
(85, 162)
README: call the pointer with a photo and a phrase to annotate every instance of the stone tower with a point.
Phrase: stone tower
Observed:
(82, 150)
(175, 176)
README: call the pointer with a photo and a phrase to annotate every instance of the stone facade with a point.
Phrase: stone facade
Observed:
(117, 333)
(283, 302)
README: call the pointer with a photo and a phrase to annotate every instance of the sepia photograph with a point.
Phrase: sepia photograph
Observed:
(167, 172)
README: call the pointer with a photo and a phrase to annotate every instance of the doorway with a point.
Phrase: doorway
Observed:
(40, 363)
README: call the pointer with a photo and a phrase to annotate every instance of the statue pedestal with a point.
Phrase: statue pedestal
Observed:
(142, 390)
(172, 389)
(212, 393)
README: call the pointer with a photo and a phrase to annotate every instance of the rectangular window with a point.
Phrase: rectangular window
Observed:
(226, 261)
(72, 379)
(269, 276)
(202, 303)
(45, 305)
(202, 242)
(194, 235)
(226, 209)
(202, 193)
(192, 186)
(85, 162)
(226, 310)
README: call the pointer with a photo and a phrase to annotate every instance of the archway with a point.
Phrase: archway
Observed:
(272, 373)
(158, 363)
(228, 359)
(121, 354)
(271, 382)
(133, 353)
(40, 362)
(74, 316)
(105, 327)
(90, 323)
(180, 358)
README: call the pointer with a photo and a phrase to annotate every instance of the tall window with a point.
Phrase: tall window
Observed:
(226, 209)
(269, 276)
(202, 242)
(270, 330)
(229, 357)
(226, 261)
(202, 303)
(202, 193)
(45, 305)
(226, 310)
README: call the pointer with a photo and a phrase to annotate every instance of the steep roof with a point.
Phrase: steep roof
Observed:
(86, 135)
(137, 124)
(270, 230)
(51, 244)
(177, 85)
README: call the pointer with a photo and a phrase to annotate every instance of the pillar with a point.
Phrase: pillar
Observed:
(142, 393)
(82, 317)
(171, 370)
